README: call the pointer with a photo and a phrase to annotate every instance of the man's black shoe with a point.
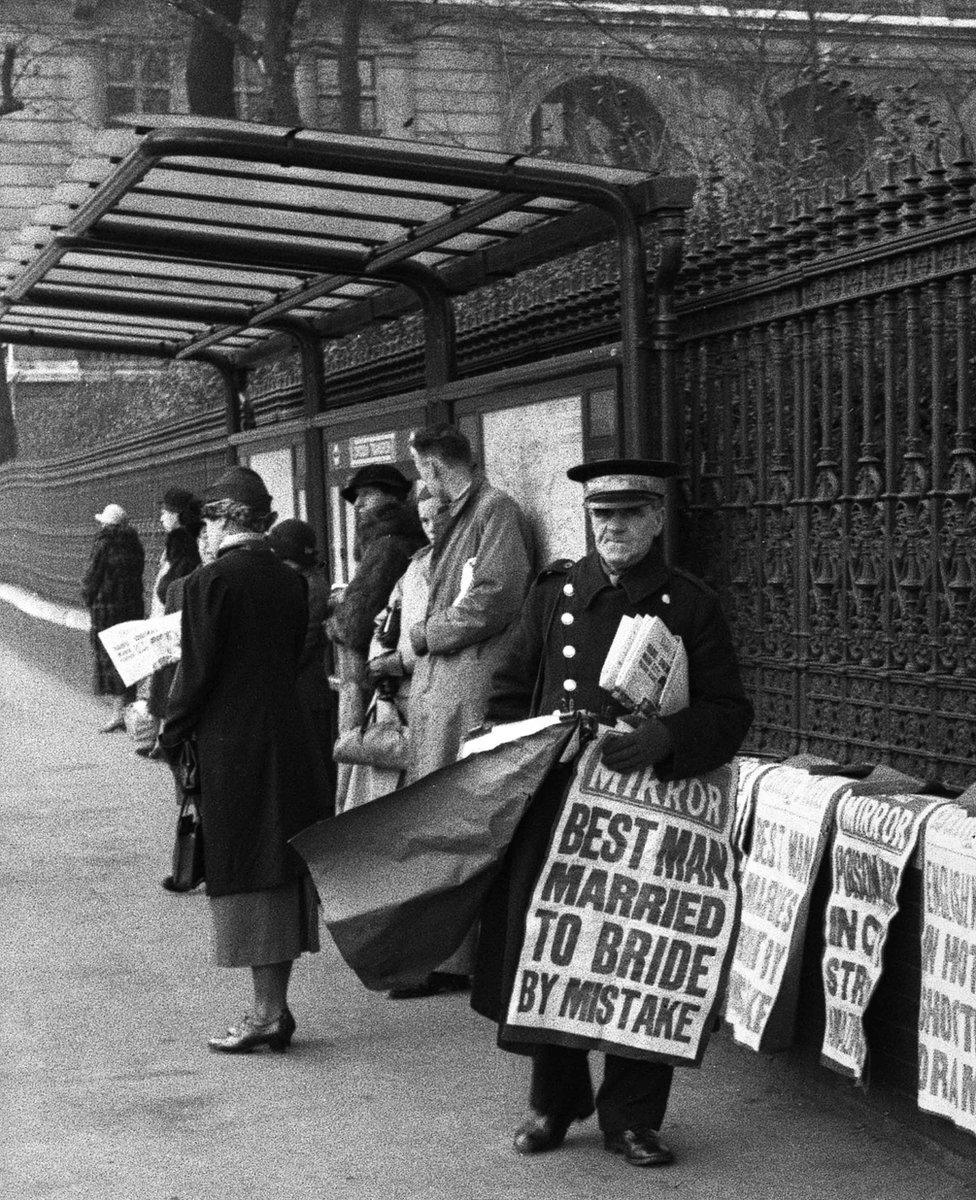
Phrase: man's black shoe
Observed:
(640, 1147)
(416, 992)
(169, 883)
(437, 983)
(447, 981)
(540, 1132)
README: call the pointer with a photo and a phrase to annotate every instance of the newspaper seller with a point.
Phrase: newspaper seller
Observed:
(568, 623)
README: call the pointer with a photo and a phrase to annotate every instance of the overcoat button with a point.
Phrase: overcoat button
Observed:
(569, 685)
(568, 589)
(569, 651)
(665, 599)
(567, 618)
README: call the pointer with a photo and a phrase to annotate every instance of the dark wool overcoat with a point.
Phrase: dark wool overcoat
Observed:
(314, 692)
(182, 556)
(388, 537)
(112, 592)
(162, 680)
(243, 627)
(567, 625)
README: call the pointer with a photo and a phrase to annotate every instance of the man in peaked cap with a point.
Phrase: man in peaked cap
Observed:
(568, 622)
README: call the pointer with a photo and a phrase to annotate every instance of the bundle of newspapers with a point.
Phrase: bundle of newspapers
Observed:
(646, 667)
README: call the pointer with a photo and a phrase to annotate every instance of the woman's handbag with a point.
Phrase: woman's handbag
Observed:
(187, 769)
(187, 849)
(360, 785)
(381, 741)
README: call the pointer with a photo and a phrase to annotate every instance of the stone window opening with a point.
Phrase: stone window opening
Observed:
(138, 78)
(840, 124)
(327, 96)
(598, 119)
(249, 87)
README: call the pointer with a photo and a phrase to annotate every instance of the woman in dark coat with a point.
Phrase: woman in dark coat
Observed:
(112, 592)
(294, 543)
(388, 534)
(180, 517)
(243, 628)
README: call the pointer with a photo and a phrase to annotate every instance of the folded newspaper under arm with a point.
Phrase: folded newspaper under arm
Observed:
(646, 667)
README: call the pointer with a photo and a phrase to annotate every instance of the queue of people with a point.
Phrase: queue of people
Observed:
(442, 620)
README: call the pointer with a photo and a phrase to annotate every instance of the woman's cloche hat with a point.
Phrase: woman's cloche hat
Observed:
(293, 540)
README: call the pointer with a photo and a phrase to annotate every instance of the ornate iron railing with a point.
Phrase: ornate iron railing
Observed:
(825, 374)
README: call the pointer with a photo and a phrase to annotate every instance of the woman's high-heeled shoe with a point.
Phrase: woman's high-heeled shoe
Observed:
(250, 1034)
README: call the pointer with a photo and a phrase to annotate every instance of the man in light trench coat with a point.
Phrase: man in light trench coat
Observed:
(481, 565)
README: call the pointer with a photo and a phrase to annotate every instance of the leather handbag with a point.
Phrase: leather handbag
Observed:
(187, 849)
(187, 768)
(381, 741)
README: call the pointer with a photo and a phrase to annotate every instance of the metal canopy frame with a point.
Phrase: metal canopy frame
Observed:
(207, 240)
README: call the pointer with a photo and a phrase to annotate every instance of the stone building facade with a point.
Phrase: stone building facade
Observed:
(665, 86)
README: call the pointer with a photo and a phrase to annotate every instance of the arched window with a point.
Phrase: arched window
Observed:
(838, 120)
(598, 119)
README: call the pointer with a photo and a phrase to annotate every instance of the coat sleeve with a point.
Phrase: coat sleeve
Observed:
(382, 564)
(92, 580)
(203, 637)
(711, 729)
(514, 681)
(502, 570)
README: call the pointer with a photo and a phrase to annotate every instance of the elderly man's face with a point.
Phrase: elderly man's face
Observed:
(368, 498)
(623, 536)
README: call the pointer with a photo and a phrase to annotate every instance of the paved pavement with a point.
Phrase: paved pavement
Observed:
(108, 1093)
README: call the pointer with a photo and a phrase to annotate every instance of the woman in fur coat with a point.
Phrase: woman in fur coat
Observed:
(112, 592)
(388, 534)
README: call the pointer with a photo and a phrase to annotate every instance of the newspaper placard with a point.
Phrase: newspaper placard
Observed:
(137, 648)
(629, 932)
(874, 838)
(793, 816)
(750, 771)
(947, 1009)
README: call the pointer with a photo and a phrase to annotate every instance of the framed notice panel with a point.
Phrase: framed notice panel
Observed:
(528, 437)
(527, 451)
(281, 464)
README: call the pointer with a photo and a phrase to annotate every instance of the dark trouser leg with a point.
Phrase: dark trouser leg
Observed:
(633, 1095)
(561, 1084)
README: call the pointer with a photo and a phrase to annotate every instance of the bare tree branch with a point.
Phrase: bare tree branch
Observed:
(350, 88)
(8, 101)
(203, 12)
(280, 64)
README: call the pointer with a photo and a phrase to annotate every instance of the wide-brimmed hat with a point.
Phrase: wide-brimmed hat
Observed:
(240, 485)
(622, 482)
(293, 540)
(111, 514)
(378, 475)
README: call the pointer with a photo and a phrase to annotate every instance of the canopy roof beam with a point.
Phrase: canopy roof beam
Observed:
(227, 200)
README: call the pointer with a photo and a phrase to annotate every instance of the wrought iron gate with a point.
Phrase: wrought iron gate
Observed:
(825, 370)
